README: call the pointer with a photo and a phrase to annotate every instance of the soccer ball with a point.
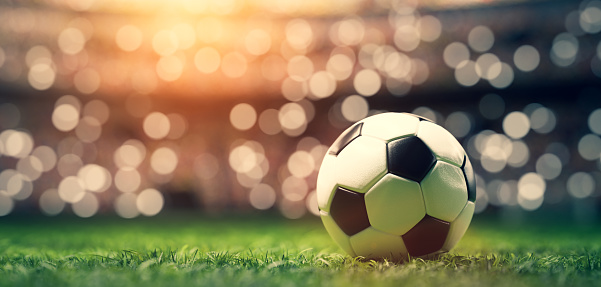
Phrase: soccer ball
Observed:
(396, 184)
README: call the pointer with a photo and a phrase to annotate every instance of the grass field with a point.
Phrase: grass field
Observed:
(186, 250)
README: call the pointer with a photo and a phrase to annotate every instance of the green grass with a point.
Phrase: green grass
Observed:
(189, 250)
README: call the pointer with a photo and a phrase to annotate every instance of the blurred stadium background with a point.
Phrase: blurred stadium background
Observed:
(142, 106)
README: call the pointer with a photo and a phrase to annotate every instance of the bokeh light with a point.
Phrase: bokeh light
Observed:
(69, 164)
(594, 121)
(87, 206)
(16, 143)
(516, 125)
(429, 28)
(589, 147)
(488, 66)
(95, 178)
(367, 82)
(543, 120)
(6, 204)
(481, 38)
(294, 189)
(165, 42)
(71, 189)
(169, 68)
(299, 34)
(300, 68)
(293, 119)
(354, 108)
(88, 130)
(459, 124)
(505, 77)
(243, 116)
(71, 41)
(564, 50)
(41, 76)
(580, 185)
(257, 42)
(127, 179)
(455, 54)
(340, 66)
(65, 117)
(186, 35)
(294, 90)
(149, 202)
(322, 84)
(292, 209)
(31, 167)
(301, 164)
(125, 205)
(156, 125)
(466, 74)
(590, 18)
(207, 60)
(129, 38)
(163, 160)
(98, 110)
(262, 196)
(51, 203)
(406, 38)
(520, 154)
(130, 154)
(526, 58)
(87, 81)
(548, 166)
(531, 188)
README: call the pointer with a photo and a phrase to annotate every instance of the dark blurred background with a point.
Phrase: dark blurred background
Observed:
(140, 107)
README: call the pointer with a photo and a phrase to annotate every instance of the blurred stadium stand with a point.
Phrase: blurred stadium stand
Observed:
(135, 107)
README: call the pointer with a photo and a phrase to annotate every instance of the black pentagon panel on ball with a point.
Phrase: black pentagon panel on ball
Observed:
(426, 237)
(470, 179)
(410, 158)
(348, 211)
(345, 138)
